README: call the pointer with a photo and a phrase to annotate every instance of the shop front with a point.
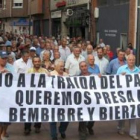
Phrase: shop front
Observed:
(78, 23)
(56, 23)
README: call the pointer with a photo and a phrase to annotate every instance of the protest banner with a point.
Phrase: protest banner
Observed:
(38, 98)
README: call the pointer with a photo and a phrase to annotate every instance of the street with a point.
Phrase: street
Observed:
(103, 131)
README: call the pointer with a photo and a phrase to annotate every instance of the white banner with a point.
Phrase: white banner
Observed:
(38, 98)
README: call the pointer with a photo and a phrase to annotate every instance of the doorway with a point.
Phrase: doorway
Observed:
(123, 41)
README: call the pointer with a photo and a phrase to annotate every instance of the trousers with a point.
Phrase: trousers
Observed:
(83, 129)
(132, 126)
(62, 128)
(27, 126)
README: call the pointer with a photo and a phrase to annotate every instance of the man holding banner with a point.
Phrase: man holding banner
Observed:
(129, 68)
(92, 67)
(59, 71)
(83, 126)
(36, 69)
(4, 68)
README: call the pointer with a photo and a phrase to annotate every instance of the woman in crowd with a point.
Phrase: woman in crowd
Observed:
(46, 63)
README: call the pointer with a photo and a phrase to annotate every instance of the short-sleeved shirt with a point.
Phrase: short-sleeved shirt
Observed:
(113, 66)
(94, 70)
(126, 69)
(64, 53)
(40, 70)
(39, 50)
(54, 72)
(22, 67)
(10, 68)
(102, 63)
(72, 64)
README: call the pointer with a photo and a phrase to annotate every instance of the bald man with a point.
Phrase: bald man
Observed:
(129, 68)
(89, 50)
(84, 126)
(92, 67)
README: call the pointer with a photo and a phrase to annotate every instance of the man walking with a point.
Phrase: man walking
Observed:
(58, 71)
(129, 68)
(35, 69)
(84, 126)
(4, 68)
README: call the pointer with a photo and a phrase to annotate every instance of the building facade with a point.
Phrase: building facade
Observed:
(70, 17)
(40, 15)
(117, 22)
(14, 16)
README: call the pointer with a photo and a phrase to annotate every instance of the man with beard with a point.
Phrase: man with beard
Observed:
(35, 69)
(101, 61)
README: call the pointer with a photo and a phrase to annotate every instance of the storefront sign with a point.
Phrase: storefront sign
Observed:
(71, 2)
(110, 33)
(61, 4)
(56, 14)
(76, 2)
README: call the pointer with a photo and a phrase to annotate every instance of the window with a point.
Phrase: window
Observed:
(0, 3)
(121, 2)
(102, 2)
(17, 3)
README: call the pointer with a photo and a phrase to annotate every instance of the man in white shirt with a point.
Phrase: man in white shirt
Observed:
(64, 50)
(23, 64)
(72, 63)
(101, 61)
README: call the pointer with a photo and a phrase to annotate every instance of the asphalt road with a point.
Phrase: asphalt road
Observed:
(103, 131)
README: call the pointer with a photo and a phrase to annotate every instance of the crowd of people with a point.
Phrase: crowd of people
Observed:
(65, 57)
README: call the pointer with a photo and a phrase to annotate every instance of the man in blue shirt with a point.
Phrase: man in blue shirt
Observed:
(129, 68)
(92, 68)
(4, 66)
(116, 63)
(40, 48)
